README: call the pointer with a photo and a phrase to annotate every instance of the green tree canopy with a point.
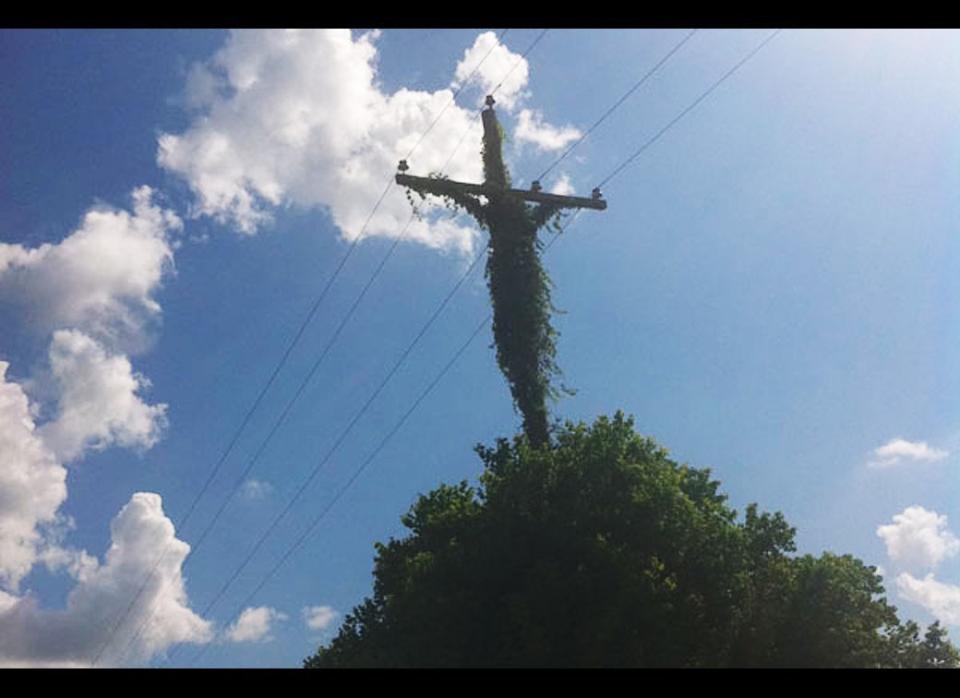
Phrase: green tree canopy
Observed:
(600, 550)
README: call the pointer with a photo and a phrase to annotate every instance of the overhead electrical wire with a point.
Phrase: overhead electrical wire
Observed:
(689, 108)
(278, 422)
(296, 339)
(617, 104)
(383, 442)
(371, 399)
(310, 529)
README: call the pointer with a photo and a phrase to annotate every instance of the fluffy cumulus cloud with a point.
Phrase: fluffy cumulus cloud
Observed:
(319, 617)
(140, 536)
(491, 65)
(298, 117)
(919, 538)
(532, 129)
(254, 625)
(941, 600)
(101, 279)
(92, 295)
(32, 484)
(98, 403)
(898, 451)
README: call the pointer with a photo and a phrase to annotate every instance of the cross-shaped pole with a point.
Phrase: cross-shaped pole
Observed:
(519, 287)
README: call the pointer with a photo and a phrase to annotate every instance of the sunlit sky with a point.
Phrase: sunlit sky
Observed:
(771, 293)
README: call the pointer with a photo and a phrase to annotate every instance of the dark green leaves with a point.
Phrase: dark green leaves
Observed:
(599, 550)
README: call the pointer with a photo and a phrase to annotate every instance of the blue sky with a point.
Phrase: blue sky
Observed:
(771, 293)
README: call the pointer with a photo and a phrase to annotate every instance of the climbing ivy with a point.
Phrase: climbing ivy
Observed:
(524, 337)
(520, 291)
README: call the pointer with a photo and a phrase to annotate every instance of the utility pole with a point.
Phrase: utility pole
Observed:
(519, 287)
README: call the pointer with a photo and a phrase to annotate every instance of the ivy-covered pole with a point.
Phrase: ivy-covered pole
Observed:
(519, 286)
(519, 292)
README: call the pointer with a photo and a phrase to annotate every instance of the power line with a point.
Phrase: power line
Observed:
(403, 357)
(689, 108)
(518, 61)
(457, 92)
(279, 421)
(282, 418)
(306, 534)
(276, 371)
(343, 323)
(383, 442)
(343, 435)
(242, 427)
(620, 101)
(310, 529)
(382, 385)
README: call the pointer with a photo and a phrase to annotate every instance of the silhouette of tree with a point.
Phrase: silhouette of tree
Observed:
(600, 550)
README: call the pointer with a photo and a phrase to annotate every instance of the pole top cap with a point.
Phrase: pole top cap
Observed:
(490, 101)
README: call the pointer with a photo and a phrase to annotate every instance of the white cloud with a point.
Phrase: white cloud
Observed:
(98, 403)
(941, 600)
(254, 490)
(532, 129)
(32, 484)
(254, 625)
(79, 564)
(100, 282)
(898, 450)
(140, 534)
(919, 538)
(298, 117)
(495, 63)
(562, 186)
(32, 489)
(319, 617)
(101, 278)
(94, 293)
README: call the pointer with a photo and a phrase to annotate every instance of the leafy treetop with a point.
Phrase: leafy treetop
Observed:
(599, 550)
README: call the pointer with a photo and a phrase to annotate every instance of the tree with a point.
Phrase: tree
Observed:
(937, 651)
(599, 550)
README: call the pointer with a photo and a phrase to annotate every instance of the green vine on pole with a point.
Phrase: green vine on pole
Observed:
(520, 288)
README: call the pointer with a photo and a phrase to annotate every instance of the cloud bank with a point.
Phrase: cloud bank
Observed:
(93, 293)
(297, 117)
(140, 533)
(101, 279)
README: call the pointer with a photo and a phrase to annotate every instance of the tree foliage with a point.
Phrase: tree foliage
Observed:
(600, 550)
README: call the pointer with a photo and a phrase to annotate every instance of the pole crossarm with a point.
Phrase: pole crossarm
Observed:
(438, 186)
(519, 286)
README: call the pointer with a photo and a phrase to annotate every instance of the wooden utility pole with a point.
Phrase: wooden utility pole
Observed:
(519, 287)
